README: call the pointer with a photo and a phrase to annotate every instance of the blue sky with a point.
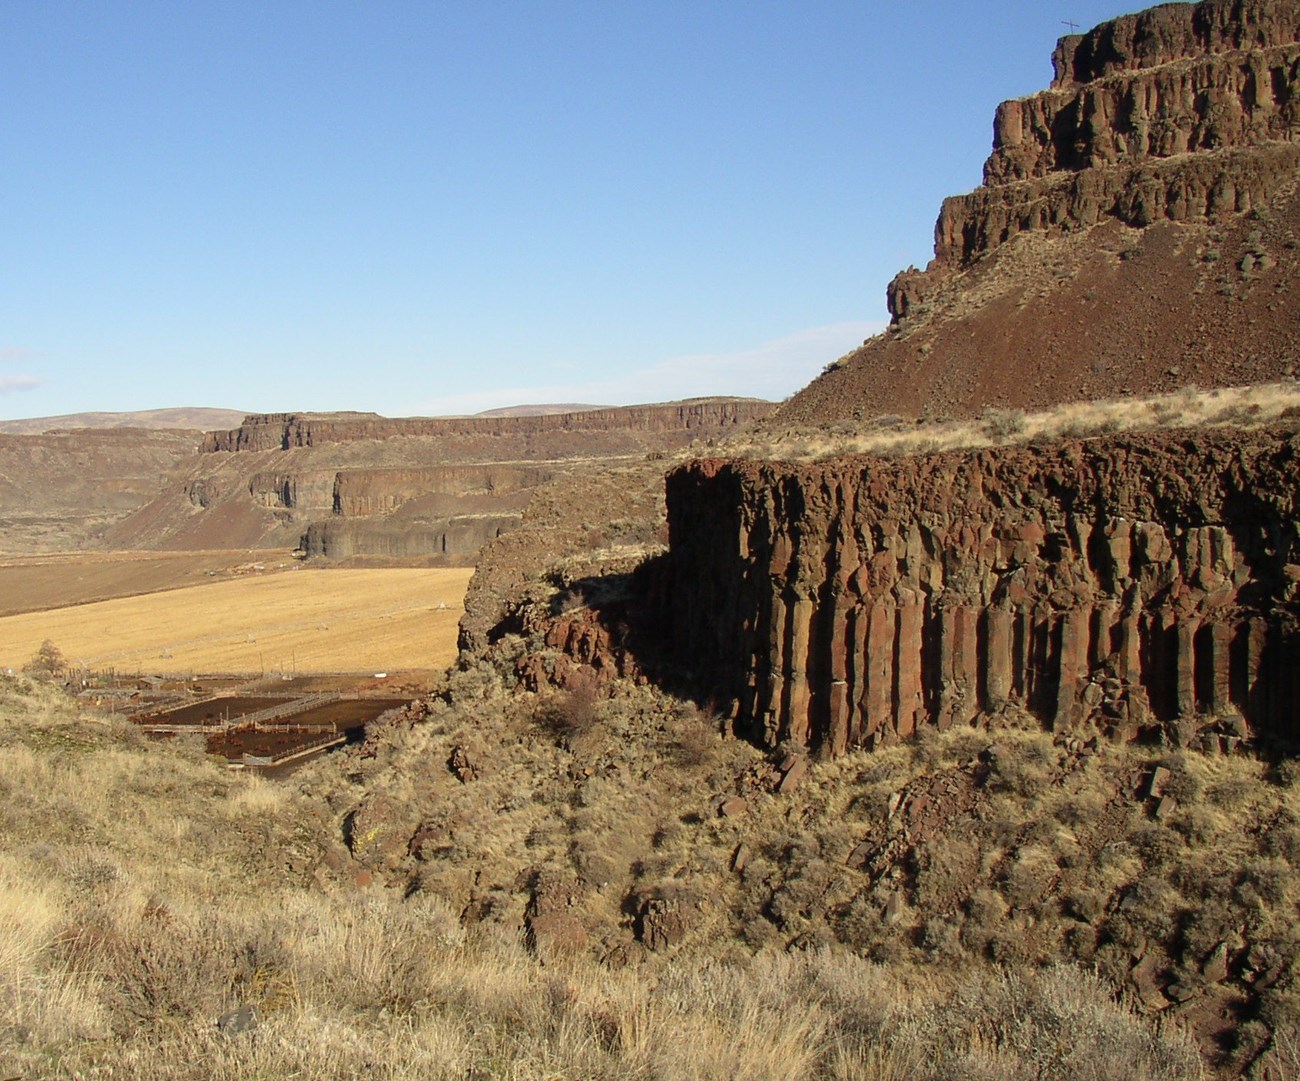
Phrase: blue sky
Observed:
(445, 206)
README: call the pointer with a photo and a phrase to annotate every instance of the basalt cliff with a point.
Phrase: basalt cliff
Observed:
(1137, 230)
(1143, 584)
(1123, 584)
(361, 486)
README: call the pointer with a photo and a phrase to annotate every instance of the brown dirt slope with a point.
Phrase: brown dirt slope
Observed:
(61, 490)
(1138, 230)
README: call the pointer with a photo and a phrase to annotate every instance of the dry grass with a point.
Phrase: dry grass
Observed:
(145, 893)
(310, 620)
(1240, 407)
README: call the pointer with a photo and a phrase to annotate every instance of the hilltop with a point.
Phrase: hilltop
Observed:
(1137, 230)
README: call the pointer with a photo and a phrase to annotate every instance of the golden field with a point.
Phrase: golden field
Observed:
(302, 620)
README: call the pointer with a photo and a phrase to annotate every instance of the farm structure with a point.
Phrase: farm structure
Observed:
(269, 732)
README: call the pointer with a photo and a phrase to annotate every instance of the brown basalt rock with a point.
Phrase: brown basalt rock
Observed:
(376, 833)
(1134, 232)
(1181, 112)
(1119, 583)
(661, 923)
(733, 807)
(465, 765)
(793, 770)
(554, 919)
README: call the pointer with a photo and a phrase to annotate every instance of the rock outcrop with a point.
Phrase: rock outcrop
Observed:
(1129, 582)
(1138, 229)
(456, 539)
(374, 492)
(1182, 112)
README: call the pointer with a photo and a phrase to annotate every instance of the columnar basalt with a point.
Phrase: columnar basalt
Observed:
(368, 492)
(1128, 582)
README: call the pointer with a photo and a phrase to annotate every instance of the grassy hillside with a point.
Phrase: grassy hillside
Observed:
(161, 917)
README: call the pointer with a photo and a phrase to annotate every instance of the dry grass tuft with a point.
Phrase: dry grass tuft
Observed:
(1191, 407)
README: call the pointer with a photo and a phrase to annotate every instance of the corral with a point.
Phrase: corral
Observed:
(268, 731)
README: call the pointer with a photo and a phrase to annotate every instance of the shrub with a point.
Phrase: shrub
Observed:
(47, 662)
(1001, 424)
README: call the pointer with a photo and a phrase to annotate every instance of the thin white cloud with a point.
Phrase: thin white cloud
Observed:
(773, 370)
(15, 354)
(15, 384)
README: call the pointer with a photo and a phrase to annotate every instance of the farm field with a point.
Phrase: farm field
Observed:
(35, 583)
(302, 621)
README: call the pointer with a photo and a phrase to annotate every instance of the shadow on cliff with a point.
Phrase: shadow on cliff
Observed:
(608, 627)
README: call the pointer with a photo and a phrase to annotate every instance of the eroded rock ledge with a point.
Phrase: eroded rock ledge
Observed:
(284, 431)
(1184, 112)
(1129, 582)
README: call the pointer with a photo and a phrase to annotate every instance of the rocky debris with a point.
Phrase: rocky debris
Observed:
(584, 649)
(1129, 583)
(1165, 808)
(1215, 966)
(465, 765)
(661, 923)
(554, 918)
(733, 807)
(793, 770)
(375, 832)
(740, 858)
(1160, 777)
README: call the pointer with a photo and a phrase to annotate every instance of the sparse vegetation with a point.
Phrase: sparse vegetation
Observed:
(1245, 407)
(160, 917)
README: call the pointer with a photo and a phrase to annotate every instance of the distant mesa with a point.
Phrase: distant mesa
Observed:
(537, 410)
(190, 418)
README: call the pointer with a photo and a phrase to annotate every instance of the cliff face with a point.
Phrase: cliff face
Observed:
(370, 492)
(1126, 582)
(1138, 229)
(1147, 120)
(1171, 32)
(282, 431)
(457, 538)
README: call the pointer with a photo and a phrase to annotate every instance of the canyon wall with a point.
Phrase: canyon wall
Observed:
(282, 431)
(368, 492)
(1129, 582)
(454, 539)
